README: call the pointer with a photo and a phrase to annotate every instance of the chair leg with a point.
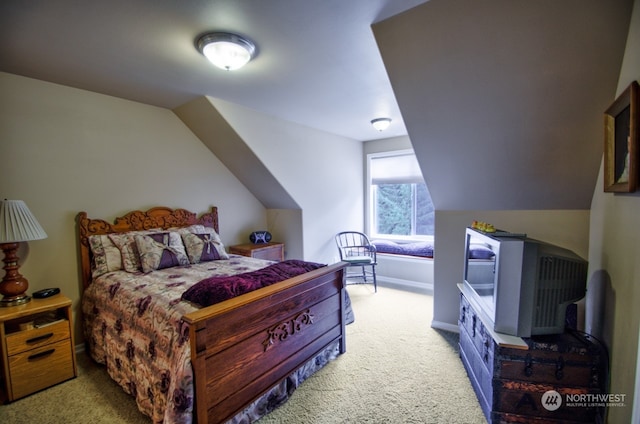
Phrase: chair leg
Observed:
(375, 283)
(364, 274)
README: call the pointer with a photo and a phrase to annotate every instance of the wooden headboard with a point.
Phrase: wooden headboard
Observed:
(158, 217)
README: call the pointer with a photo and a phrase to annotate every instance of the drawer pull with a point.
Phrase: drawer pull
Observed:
(473, 326)
(595, 376)
(39, 338)
(528, 365)
(559, 369)
(41, 354)
(485, 349)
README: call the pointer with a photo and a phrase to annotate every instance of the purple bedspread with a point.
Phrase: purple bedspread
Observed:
(217, 289)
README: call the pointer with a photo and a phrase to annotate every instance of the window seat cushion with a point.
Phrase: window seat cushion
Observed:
(422, 249)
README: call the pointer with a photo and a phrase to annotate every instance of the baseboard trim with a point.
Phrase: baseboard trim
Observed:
(439, 325)
(405, 283)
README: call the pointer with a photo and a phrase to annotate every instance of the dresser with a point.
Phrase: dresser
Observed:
(542, 378)
(271, 251)
(36, 342)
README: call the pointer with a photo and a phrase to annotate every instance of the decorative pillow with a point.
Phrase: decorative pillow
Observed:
(201, 229)
(160, 250)
(195, 228)
(203, 247)
(106, 256)
(126, 243)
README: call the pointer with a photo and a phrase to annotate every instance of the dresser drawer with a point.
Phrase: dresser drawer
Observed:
(40, 368)
(270, 254)
(25, 340)
(270, 251)
(479, 337)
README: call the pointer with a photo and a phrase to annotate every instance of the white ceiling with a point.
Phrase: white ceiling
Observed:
(502, 99)
(317, 65)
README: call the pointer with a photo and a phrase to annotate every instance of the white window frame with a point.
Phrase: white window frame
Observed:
(369, 203)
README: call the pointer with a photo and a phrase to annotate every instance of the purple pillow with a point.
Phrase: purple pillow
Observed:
(478, 251)
(160, 250)
(168, 259)
(203, 247)
(420, 249)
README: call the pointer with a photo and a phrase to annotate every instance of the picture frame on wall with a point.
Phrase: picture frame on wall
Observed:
(621, 142)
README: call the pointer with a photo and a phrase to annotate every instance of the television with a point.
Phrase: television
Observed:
(522, 286)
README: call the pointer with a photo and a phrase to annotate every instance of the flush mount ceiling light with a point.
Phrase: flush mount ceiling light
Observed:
(381, 124)
(226, 50)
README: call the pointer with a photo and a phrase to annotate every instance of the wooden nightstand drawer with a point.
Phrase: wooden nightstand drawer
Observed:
(36, 346)
(29, 339)
(270, 251)
(272, 254)
(40, 368)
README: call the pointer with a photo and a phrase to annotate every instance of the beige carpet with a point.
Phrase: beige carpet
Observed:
(91, 398)
(396, 370)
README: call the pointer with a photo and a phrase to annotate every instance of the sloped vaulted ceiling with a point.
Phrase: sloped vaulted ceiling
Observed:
(504, 99)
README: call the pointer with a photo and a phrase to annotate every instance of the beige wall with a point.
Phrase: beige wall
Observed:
(614, 249)
(322, 172)
(68, 150)
(65, 150)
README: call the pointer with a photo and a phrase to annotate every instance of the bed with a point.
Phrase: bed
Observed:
(232, 361)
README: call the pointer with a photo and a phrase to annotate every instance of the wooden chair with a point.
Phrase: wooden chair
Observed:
(356, 250)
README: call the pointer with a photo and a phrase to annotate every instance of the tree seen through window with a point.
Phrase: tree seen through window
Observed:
(400, 201)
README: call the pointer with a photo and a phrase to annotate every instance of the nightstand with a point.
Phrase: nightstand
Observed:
(270, 251)
(36, 341)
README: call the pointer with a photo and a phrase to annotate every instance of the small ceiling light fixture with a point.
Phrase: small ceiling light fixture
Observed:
(381, 124)
(226, 50)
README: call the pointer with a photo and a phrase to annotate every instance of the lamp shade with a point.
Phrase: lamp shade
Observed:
(226, 50)
(17, 223)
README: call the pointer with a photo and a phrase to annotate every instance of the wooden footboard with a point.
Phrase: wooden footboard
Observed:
(244, 346)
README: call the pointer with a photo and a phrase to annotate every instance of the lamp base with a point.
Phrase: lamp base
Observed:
(15, 300)
(13, 286)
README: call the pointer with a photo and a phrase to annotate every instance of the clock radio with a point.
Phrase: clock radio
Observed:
(259, 237)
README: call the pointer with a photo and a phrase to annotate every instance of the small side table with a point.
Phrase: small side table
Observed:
(36, 342)
(271, 251)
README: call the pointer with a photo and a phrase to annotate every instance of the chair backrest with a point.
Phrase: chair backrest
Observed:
(354, 243)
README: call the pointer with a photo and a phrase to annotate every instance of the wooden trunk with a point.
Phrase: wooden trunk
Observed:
(511, 382)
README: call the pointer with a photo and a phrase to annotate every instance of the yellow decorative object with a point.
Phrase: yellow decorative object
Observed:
(483, 226)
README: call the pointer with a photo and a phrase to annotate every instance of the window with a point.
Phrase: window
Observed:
(399, 202)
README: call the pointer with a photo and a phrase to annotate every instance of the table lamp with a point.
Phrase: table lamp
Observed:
(17, 224)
